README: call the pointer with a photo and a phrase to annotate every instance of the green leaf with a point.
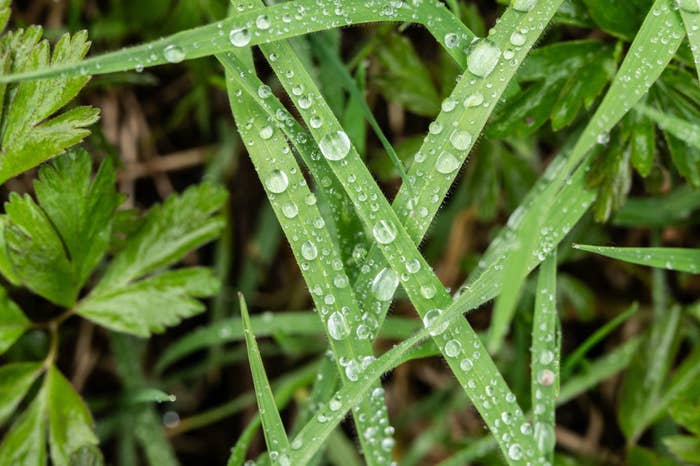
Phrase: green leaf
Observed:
(151, 304)
(621, 19)
(684, 408)
(29, 134)
(15, 380)
(685, 447)
(643, 142)
(612, 176)
(79, 209)
(404, 78)
(275, 434)
(87, 455)
(70, 422)
(171, 230)
(24, 444)
(54, 246)
(13, 322)
(682, 260)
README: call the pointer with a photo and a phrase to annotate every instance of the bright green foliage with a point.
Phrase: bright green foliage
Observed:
(683, 260)
(30, 133)
(13, 322)
(15, 380)
(58, 413)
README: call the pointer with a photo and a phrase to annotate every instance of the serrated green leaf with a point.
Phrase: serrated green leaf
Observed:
(70, 422)
(30, 134)
(275, 434)
(13, 322)
(15, 380)
(151, 304)
(80, 209)
(680, 259)
(171, 230)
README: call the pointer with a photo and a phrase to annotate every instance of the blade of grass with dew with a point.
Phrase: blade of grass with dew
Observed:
(316, 253)
(676, 207)
(544, 365)
(599, 370)
(577, 355)
(264, 25)
(424, 289)
(273, 428)
(689, 10)
(348, 82)
(679, 259)
(454, 132)
(643, 65)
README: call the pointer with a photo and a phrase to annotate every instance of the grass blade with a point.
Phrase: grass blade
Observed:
(680, 259)
(275, 435)
(545, 358)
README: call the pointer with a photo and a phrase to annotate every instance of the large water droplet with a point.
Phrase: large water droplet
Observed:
(277, 181)
(474, 100)
(446, 163)
(518, 39)
(290, 210)
(337, 326)
(515, 452)
(309, 251)
(451, 40)
(453, 348)
(483, 58)
(239, 37)
(460, 139)
(335, 145)
(430, 318)
(523, 5)
(262, 22)
(544, 436)
(352, 370)
(174, 54)
(384, 284)
(384, 232)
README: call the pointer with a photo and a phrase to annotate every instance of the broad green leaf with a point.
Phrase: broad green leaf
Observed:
(171, 230)
(15, 380)
(621, 19)
(275, 434)
(683, 408)
(79, 208)
(70, 422)
(152, 304)
(685, 447)
(24, 444)
(13, 322)
(680, 128)
(544, 374)
(682, 260)
(676, 207)
(640, 456)
(30, 134)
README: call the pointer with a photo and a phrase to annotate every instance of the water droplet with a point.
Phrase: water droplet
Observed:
(483, 58)
(451, 40)
(309, 251)
(290, 210)
(435, 127)
(266, 132)
(264, 91)
(427, 291)
(412, 265)
(384, 232)
(239, 37)
(466, 364)
(448, 105)
(545, 377)
(174, 54)
(446, 163)
(315, 122)
(277, 181)
(388, 444)
(335, 145)
(334, 404)
(430, 318)
(384, 284)
(453, 348)
(460, 139)
(304, 102)
(546, 357)
(523, 5)
(262, 22)
(473, 100)
(515, 452)
(517, 39)
(337, 326)
(352, 370)
(544, 436)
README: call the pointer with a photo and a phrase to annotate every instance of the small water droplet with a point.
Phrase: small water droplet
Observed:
(446, 163)
(483, 58)
(517, 39)
(290, 210)
(174, 54)
(384, 232)
(335, 145)
(451, 40)
(309, 250)
(430, 318)
(337, 326)
(523, 5)
(515, 452)
(277, 181)
(473, 100)
(262, 22)
(239, 37)
(266, 132)
(453, 348)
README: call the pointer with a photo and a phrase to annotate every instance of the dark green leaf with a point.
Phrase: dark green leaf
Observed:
(527, 112)
(15, 380)
(13, 322)
(685, 447)
(24, 444)
(621, 19)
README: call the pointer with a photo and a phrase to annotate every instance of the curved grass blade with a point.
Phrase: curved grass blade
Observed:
(275, 435)
(679, 259)
(691, 20)
(680, 128)
(545, 358)
(265, 25)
